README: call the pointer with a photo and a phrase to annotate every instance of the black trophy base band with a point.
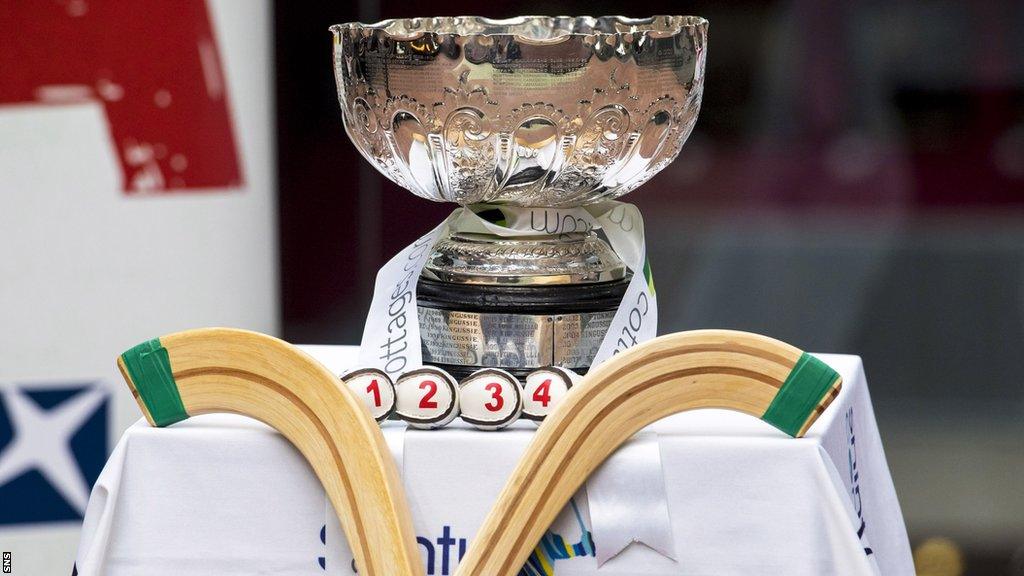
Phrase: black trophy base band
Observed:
(532, 299)
(464, 328)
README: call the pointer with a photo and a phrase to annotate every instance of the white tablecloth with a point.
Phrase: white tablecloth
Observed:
(224, 495)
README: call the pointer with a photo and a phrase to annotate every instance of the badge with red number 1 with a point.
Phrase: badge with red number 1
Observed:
(376, 390)
(427, 398)
(490, 399)
(544, 389)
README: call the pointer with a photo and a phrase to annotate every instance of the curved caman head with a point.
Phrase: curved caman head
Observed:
(224, 370)
(754, 374)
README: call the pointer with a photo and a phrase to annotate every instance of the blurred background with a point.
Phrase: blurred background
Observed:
(855, 184)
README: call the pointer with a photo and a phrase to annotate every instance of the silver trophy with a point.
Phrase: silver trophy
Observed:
(535, 111)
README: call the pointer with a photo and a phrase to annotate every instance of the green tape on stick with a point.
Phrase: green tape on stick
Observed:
(149, 366)
(808, 382)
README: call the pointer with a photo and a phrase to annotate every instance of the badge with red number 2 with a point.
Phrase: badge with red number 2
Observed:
(427, 398)
(376, 390)
(490, 399)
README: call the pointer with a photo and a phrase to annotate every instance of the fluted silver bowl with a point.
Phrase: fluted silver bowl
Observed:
(529, 111)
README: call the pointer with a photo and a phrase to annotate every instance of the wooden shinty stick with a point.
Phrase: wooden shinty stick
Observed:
(684, 371)
(225, 370)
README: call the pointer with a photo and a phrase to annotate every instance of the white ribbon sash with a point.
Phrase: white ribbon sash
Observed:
(391, 336)
(628, 502)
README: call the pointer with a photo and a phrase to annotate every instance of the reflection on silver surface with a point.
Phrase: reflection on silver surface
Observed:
(511, 340)
(564, 259)
(530, 111)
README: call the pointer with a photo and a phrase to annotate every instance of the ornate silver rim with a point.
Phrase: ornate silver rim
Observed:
(527, 29)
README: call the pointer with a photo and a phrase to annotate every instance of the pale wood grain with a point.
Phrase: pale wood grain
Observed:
(226, 370)
(670, 374)
(223, 370)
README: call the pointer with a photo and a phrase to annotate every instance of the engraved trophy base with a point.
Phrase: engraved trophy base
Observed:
(518, 303)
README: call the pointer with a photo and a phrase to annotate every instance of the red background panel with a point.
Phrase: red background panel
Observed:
(154, 66)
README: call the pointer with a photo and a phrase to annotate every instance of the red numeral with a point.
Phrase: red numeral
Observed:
(431, 387)
(543, 393)
(495, 389)
(374, 388)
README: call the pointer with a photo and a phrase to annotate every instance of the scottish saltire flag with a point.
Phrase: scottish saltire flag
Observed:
(54, 439)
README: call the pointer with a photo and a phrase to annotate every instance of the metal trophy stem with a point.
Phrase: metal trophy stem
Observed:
(528, 112)
(518, 303)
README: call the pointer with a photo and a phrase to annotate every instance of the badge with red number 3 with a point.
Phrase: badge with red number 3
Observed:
(427, 398)
(544, 389)
(490, 399)
(376, 390)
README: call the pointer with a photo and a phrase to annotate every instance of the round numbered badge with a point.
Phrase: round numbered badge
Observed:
(427, 397)
(490, 399)
(544, 389)
(376, 390)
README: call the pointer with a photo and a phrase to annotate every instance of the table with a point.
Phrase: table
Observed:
(225, 495)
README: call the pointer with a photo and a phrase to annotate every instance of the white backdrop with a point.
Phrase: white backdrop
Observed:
(87, 270)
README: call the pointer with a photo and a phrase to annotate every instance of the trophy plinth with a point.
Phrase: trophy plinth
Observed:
(526, 113)
(518, 303)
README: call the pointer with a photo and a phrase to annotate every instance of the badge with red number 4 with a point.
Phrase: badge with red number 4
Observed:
(544, 389)
(427, 398)
(376, 390)
(490, 399)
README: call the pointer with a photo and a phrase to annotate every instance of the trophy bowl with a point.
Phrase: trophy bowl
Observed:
(529, 111)
(534, 116)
